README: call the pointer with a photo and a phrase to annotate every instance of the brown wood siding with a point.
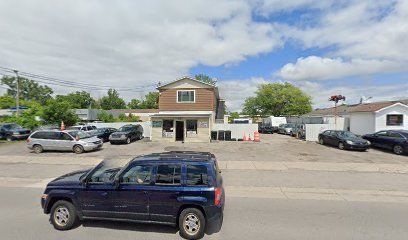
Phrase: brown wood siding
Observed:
(204, 100)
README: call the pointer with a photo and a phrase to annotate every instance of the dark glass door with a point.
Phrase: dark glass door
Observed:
(179, 131)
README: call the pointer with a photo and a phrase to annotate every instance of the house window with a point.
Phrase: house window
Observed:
(167, 128)
(395, 120)
(186, 96)
(191, 127)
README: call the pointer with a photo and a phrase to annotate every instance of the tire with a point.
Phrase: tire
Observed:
(9, 138)
(128, 140)
(191, 223)
(78, 149)
(321, 141)
(63, 215)
(397, 149)
(38, 148)
(341, 146)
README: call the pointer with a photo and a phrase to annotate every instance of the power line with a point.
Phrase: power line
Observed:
(73, 84)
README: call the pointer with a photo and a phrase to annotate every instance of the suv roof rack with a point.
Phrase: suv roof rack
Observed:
(178, 155)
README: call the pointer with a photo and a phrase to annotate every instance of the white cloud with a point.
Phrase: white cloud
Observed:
(236, 91)
(318, 68)
(128, 43)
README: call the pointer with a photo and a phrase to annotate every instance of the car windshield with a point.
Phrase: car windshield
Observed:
(289, 125)
(101, 130)
(125, 128)
(347, 134)
(80, 134)
(11, 126)
(107, 170)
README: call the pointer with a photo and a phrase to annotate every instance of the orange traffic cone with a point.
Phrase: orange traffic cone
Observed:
(256, 137)
(244, 138)
(62, 126)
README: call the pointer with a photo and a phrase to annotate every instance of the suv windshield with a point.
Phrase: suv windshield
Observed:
(126, 128)
(80, 134)
(106, 171)
(11, 126)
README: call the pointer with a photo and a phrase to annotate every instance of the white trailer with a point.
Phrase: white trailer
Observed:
(273, 122)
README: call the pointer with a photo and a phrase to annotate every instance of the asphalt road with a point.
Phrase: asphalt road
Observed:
(245, 218)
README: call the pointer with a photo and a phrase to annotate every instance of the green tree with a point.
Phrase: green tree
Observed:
(112, 101)
(134, 104)
(104, 116)
(56, 111)
(150, 101)
(7, 101)
(205, 79)
(278, 99)
(233, 115)
(29, 89)
(78, 99)
(28, 118)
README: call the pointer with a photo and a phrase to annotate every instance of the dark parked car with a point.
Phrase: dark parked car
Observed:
(343, 140)
(182, 189)
(104, 133)
(395, 140)
(127, 134)
(12, 131)
(299, 131)
(265, 129)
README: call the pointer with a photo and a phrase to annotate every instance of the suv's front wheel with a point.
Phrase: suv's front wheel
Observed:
(63, 215)
(191, 223)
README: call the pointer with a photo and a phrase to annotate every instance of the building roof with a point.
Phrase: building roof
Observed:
(364, 107)
(186, 78)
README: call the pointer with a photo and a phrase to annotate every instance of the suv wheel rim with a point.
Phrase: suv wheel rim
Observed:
(398, 149)
(61, 216)
(341, 146)
(191, 224)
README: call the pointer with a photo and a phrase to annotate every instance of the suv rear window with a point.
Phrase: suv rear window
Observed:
(168, 174)
(197, 175)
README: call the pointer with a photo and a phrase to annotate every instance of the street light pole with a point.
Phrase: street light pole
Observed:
(17, 95)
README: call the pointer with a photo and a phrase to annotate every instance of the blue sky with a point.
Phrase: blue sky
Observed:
(356, 48)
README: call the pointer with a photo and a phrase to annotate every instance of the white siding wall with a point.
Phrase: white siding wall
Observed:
(381, 118)
(313, 130)
(237, 130)
(362, 123)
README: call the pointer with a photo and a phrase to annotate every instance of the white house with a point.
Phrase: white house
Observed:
(373, 117)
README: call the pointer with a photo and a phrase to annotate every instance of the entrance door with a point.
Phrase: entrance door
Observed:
(179, 131)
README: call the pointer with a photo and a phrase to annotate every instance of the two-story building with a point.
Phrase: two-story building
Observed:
(188, 108)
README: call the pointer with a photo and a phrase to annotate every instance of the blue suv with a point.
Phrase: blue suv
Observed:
(182, 189)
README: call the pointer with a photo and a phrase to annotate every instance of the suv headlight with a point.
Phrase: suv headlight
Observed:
(349, 142)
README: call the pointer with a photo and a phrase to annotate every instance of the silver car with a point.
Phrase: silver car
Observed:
(68, 140)
(286, 128)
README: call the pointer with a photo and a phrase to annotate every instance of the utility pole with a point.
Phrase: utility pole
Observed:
(17, 95)
(336, 99)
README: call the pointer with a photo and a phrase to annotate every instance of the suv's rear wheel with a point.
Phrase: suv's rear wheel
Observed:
(191, 223)
(63, 215)
(78, 149)
(38, 148)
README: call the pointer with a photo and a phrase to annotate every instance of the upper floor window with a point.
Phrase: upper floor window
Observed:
(395, 120)
(186, 96)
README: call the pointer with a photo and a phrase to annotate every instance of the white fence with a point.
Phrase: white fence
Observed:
(147, 126)
(313, 130)
(237, 130)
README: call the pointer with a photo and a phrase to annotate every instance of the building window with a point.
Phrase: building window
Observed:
(191, 127)
(167, 128)
(395, 120)
(185, 96)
